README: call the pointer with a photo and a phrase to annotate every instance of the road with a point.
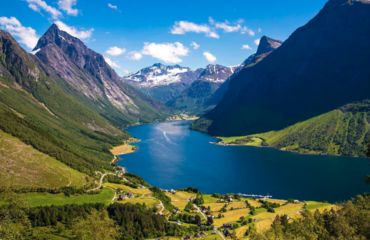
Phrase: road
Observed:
(103, 175)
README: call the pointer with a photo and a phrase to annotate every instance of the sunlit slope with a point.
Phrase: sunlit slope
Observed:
(21, 165)
(343, 131)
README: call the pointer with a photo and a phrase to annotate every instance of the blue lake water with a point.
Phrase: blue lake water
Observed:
(170, 155)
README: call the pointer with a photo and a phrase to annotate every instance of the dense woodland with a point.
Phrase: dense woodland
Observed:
(86, 221)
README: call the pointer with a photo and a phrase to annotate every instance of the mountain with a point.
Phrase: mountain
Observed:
(162, 75)
(87, 73)
(195, 98)
(266, 47)
(162, 82)
(42, 111)
(317, 69)
(180, 88)
(343, 131)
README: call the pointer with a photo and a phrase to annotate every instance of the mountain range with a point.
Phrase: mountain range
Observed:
(174, 86)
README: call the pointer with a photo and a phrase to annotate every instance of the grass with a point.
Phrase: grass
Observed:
(140, 191)
(215, 207)
(209, 199)
(180, 198)
(148, 201)
(21, 165)
(344, 131)
(313, 206)
(240, 232)
(231, 216)
(47, 199)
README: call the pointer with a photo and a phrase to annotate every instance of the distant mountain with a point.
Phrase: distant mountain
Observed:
(195, 98)
(318, 69)
(41, 110)
(180, 87)
(161, 75)
(87, 72)
(162, 82)
(344, 131)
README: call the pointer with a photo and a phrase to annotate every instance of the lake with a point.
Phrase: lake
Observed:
(171, 156)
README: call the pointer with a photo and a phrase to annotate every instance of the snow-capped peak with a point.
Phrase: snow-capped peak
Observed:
(158, 75)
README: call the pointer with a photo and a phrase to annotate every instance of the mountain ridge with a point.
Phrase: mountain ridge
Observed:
(297, 77)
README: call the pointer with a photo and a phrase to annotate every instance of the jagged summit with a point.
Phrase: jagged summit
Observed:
(87, 72)
(267, 44)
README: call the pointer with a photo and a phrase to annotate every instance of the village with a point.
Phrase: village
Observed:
(220, 216)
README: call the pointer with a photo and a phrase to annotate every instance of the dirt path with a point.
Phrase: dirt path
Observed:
(103, 175)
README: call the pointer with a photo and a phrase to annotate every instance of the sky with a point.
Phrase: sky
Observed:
(133, 34)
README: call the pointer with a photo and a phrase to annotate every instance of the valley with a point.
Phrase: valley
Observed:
(276, 146)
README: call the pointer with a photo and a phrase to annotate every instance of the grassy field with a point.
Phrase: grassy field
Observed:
(140, 191)
(180, 198)
(148, 201)
(47, 199)
(21, 165)
(231, 216)
(344, 131)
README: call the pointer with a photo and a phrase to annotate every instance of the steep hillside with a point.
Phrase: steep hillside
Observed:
(21, 166)
(317, 69)
(87, 73)
(266, 46)
(42, 111)
(344, 131)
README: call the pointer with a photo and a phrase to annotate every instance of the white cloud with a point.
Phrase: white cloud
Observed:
(81, 34)
(246, 30)
(167, 52)
(246, 47)
(25, 35)
(210, 57)
(134, 55)
(68, 6)
(183, 27)
(38, 5)
(111, 63)
(112, 6)
(257, 42)
(228, 27)
(115, 51)
(195, 45)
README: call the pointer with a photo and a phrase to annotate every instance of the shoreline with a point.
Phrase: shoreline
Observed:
(125, 148)
(223, 144)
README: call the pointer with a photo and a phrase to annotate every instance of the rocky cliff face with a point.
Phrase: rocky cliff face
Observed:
(84, 69)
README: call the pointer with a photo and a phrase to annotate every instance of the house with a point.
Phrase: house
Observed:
(121, 197)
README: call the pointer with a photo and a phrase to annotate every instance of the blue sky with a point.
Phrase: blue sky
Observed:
(133, 34)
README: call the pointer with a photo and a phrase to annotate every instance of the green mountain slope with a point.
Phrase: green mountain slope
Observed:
(21, 165)
(344, 131)
(43, 111)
